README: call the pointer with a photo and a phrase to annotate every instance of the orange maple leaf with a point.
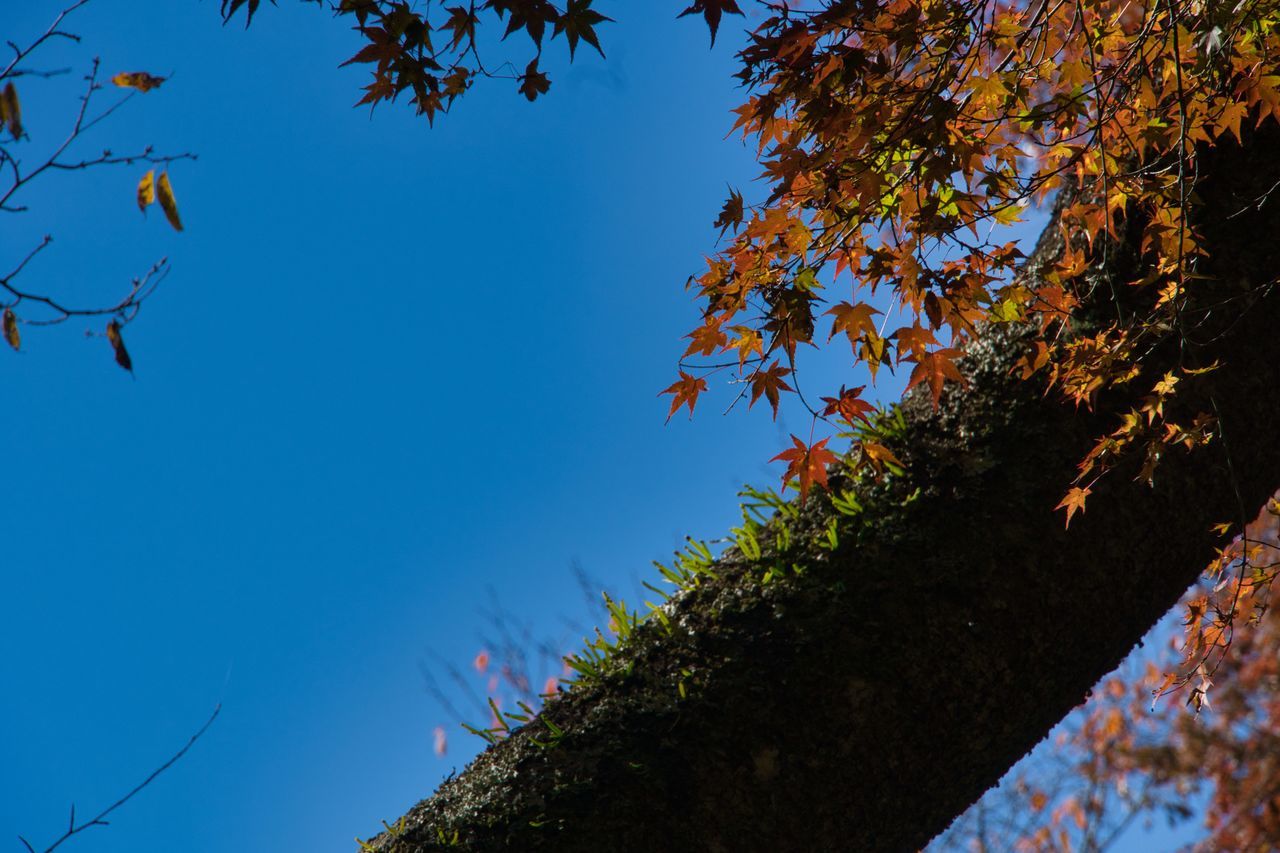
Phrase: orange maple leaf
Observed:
(1074, 501)
(853, 320)
(769, 383)
(707, 338)
(936, 368)
(806, 463)
(913, 341)
(686, 390)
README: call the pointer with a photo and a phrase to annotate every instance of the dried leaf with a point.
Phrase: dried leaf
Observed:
(117, 344)
(10, 324)
(164, 192)
(147, 190)
(140, 80)
(11, 110)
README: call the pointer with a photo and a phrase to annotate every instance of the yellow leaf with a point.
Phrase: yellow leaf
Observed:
(164, 191)
(10, 324)
(147, 190)
(881, 455)
(11, 110)
(1010, 214)
(1074, 501)
(140, 80)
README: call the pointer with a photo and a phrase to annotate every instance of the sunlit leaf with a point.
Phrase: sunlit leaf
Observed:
(685, 391)
(769, 383)
(164, 193)
(1073, 502)
(806, 463)
(147, 190)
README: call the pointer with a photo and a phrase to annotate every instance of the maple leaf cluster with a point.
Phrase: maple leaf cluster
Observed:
(431, 49)
(901, 139)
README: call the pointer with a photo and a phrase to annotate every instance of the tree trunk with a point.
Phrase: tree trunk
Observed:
(865, 702)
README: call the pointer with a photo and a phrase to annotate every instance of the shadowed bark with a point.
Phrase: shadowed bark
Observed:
(866, 702)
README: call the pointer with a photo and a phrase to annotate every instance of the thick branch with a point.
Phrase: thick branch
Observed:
(865, 703)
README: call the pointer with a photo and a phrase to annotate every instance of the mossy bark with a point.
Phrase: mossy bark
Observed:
(865, 702)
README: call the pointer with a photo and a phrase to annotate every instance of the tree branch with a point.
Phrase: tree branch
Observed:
(865, 699)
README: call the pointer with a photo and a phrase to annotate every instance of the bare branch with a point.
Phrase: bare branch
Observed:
(100, 819)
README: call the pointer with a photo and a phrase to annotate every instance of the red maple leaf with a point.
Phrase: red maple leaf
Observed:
(849, 405)
(808, 464)
(769, 383)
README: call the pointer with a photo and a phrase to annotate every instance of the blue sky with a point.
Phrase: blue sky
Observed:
(394, 368)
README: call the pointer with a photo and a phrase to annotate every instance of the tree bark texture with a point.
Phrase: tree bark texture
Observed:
(864, 703)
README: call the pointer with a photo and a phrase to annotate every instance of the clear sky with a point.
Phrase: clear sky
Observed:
(395, 368)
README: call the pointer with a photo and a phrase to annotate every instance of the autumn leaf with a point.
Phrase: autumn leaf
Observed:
(711, 11)
(140, 80)
(849, 405)
(913, 339)
(853, 320)
(382, 48)
(1230, 118)
(747, 343)
(686, 391)
(1074, 501)
(808, 464)
(117, 344)
(936, 368)
(533, 82)
(707, 338)
(11, 335)
(463, 23)
(769, 383)
(731, 214)
(229, 8)
(578, 21)
(164, 192)
(530, 17)
(11, 110)
(147, 190)
(880, 456)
